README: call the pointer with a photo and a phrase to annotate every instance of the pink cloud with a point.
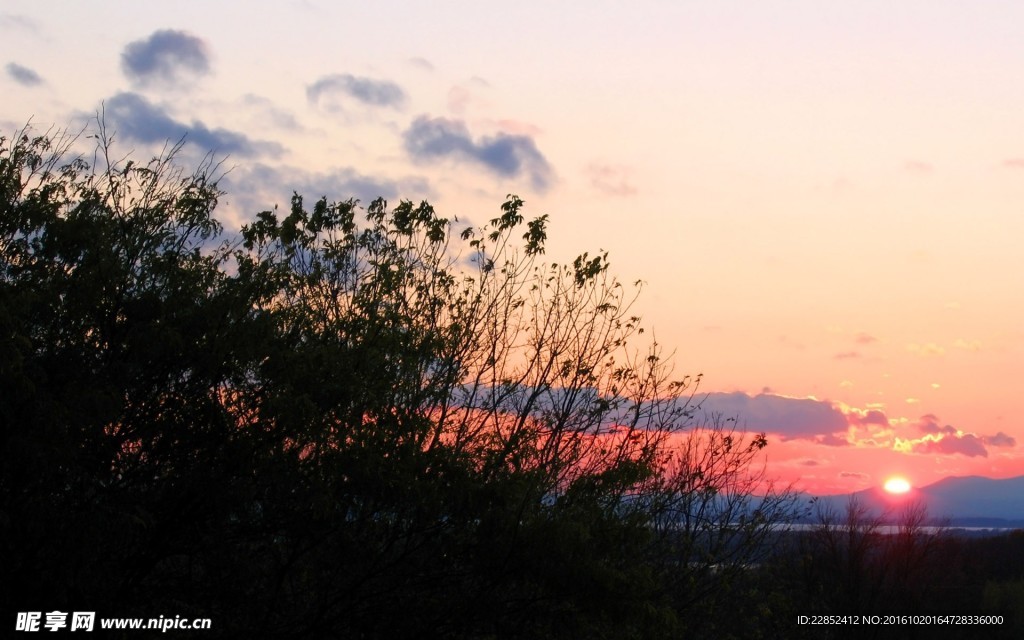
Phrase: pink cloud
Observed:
(968, 445)
(930, 424)
(1000, 440)
(611, 180)
(947, 439)
(831, 440)
(865, 338)
(790, 418)
(873, 416)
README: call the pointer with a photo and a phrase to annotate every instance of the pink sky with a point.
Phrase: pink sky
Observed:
(823, 199)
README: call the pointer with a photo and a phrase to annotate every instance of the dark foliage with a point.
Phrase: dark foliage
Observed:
(345, 423)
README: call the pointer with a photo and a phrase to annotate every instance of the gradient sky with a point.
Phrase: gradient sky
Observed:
(825, 200)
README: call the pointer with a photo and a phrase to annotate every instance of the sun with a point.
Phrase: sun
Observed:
(896, 485)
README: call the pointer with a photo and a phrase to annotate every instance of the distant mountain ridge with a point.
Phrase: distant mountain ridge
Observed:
(962, 501)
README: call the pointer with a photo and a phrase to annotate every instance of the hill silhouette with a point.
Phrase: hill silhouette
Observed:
(958, 500)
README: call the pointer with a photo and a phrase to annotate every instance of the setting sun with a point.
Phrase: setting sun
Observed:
(897, 485)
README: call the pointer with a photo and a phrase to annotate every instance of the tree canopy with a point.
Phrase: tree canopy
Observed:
(341, 421)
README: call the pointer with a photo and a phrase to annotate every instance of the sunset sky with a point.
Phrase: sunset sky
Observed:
(825, 201)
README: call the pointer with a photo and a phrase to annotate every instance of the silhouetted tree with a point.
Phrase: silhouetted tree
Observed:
(342, 422)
